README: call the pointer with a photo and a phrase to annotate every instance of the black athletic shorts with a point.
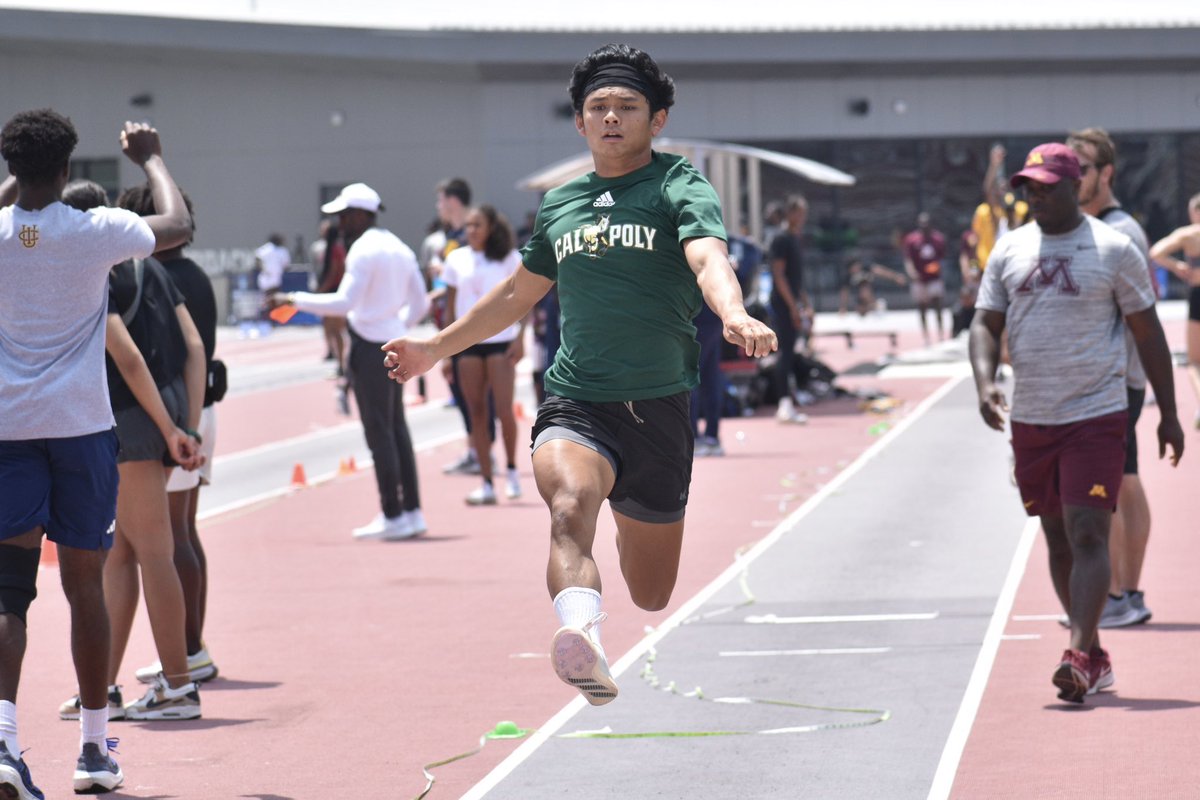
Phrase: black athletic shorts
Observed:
(1136, 398)
(485, 349)
(648, 443)
(1194, 304)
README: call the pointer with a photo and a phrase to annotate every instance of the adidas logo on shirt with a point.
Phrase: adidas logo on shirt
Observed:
(604, 201)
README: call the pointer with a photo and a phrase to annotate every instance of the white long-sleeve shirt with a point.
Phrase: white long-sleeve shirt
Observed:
(382, 294)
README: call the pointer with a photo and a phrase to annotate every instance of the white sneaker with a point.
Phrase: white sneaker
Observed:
(485, 495)
(512, 488)
(580, 662)
(378, 528)
(161, 702)
(402, 527)
(788, 415)
(200, 669)
(416, 521)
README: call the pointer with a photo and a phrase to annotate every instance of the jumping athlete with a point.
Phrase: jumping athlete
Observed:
(634, 247)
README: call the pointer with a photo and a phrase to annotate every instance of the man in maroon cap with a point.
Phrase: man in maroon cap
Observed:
(1061, 287)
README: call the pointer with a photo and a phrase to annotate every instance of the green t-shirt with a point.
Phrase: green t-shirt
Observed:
(627, 294)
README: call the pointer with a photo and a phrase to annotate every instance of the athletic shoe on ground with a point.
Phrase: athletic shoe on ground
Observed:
(416, 521)
(341, 396)
(708, 446)
(485, 495)
(1137, 600)
(1073, 676)
(1101, 674)
(580, 662)
(15, 781)
(788, 415)
(512, 485)
(403, 527)
(467, 465)
(161, 702)
(1118, 612)
(116, 706)
(384, 528)
(95, 771)
(200, 669)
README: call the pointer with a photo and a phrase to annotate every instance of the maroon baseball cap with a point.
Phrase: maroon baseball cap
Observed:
(1048, 163)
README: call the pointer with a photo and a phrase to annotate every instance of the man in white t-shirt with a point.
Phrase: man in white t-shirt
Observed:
(382, 295)
(58, 450)
(273, 259)
(1062, 287)
(1130, 534)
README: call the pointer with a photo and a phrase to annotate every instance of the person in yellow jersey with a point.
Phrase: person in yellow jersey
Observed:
(1000, 211)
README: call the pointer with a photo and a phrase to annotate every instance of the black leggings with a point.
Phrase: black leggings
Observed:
(381, 406)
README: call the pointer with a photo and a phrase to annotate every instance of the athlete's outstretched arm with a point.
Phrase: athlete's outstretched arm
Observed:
(509, 302)
(986, 329)
(708, 257)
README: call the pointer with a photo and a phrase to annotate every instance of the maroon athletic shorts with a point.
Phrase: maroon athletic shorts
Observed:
(1078, 464)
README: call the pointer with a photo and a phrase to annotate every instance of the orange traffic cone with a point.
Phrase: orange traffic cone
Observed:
(350, 465)
(49, 556)
(299, 480)
(519, 412)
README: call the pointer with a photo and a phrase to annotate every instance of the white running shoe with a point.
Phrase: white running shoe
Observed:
(485, 495)
(116, 706)
(580, 662)
(161, 702)
(383, 528)
(200, 669)
(512, 488)
(416, 521)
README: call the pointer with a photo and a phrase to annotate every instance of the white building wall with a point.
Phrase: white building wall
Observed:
(251, 138)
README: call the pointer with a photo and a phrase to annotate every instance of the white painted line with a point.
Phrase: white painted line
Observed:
(1020, 637)
(837, 651)
(771, 619)
(943, 779)
(303, 438)
(691, 606)
(1036, 617)
(366, 463)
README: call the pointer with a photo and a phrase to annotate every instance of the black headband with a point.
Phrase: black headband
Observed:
(618, 74)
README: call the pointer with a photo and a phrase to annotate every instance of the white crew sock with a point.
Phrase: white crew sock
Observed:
(8, 728)
(93, 727)
(576, 606)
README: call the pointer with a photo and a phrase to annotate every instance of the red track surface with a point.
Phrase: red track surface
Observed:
(348, 665)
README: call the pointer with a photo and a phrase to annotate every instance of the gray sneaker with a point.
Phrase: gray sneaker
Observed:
(95, 771)
(1137, 601)
(1118, 612)
(15, 780)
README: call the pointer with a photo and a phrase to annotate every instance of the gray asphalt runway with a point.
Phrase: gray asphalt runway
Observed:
(919, 540)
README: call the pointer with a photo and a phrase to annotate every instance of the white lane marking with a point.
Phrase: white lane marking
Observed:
(304, 438)
(366, 463)
(835, 651)
(691, 606)
(771, 619)
(943, 779)
(1020, 637)
(1036, 617)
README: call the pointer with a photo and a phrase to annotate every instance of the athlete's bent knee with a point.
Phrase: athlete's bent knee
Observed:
(650, 600)
(18, 579)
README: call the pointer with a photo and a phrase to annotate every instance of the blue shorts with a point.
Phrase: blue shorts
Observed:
(66, 486)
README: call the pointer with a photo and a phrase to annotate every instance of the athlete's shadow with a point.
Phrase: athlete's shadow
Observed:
(1116, 701)
(1156, 627)
(202, 724)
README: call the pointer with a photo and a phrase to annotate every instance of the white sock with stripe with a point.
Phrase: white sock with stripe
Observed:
(93, 727)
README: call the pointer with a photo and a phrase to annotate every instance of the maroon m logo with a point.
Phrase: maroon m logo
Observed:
(1058, 275)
